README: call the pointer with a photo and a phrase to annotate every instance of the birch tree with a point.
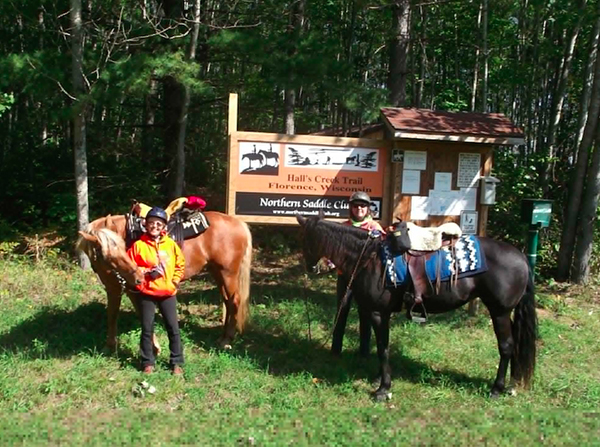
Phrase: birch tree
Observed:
(79, 130)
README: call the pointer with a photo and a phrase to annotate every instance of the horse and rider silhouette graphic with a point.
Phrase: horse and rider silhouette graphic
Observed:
(268, 161)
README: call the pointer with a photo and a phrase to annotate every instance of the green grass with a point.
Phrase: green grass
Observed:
(279, 385)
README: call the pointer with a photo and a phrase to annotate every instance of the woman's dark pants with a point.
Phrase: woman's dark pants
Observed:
(343, 308)
(168, 310)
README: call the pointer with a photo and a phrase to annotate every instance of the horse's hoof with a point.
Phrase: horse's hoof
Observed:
(382, 395)
(225, 345)
(496, 392)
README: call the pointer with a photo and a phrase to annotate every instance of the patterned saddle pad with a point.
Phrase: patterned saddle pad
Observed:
(465, 259)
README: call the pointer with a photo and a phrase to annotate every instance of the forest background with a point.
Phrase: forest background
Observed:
(105, 101)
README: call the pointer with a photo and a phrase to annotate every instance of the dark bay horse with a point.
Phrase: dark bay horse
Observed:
(225, 248)
(505, 287)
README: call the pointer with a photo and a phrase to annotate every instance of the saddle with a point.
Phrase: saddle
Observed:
(186, 219)
(432, 238)
(424, 242)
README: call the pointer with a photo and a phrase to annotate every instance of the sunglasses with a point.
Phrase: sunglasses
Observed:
(155, 223)
(360, 205)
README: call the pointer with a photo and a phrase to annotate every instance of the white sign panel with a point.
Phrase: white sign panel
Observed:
(442, 181)
(419, 208)
(469, 195)
(411, 182)
(415, 160)
(469, 165)
(445, 203)
(468, 222)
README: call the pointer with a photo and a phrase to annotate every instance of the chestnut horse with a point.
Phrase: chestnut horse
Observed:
(225, 248)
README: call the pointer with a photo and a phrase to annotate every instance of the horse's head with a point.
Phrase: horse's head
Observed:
(309, 248)
(399, 237)
(107, 248)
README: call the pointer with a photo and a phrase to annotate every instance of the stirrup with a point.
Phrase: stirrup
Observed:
(421, 319)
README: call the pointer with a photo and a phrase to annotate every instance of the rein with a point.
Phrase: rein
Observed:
(346, 295)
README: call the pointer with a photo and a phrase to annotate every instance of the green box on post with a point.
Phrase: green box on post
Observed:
(536, 211)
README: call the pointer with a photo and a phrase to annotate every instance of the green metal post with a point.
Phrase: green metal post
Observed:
(532, 244)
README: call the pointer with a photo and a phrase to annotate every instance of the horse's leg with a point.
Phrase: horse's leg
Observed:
(113, 295)
(228, 285)
(503, 330)
(381, 324)
(365, 332)
(343, 309)
(133, 297)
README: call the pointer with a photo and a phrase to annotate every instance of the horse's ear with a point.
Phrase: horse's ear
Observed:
(301, 219)
(89, 237)
(109, 222)
(321, 214)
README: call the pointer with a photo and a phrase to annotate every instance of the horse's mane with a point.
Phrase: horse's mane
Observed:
(341, 241)
(111, 244)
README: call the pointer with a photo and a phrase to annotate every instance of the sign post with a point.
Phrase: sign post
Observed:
(537, 213)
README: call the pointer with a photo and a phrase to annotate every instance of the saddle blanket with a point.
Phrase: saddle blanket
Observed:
(465, 259)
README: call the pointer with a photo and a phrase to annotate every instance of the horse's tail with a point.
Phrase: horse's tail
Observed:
(244, 282)
(525, 334)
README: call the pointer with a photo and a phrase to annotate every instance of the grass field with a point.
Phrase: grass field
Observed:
(279, 385)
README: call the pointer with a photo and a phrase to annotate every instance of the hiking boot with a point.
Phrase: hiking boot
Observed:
(148, 369)
(177, 370)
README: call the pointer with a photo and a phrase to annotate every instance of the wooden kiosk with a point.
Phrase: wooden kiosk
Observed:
(441, 165)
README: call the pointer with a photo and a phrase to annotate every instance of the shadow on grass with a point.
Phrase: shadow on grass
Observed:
(282, 351)
(61, 333)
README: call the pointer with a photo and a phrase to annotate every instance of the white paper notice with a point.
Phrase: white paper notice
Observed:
(468, 169)
(411, 182)
(469, 196)
(445, 203)
(415, 160)
(442, 181)
(419, 208)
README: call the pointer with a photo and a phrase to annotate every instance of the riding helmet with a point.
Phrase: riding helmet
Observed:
(158, 213)
(360, 196)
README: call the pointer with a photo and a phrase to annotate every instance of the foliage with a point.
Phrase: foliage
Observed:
(337, 62)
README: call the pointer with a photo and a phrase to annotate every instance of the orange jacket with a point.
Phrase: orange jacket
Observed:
(163, 254)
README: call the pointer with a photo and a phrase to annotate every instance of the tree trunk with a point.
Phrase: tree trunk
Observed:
(567, 240)
(295, 31)
(421, 85)
(476, 68)
(486, 57)
(289, 105)
(559, 97)
(79, 140)
(399, 53)
(588, 79)
(587, 219)
(182, 124)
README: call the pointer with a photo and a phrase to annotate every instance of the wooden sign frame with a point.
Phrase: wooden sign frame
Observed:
(271, 177)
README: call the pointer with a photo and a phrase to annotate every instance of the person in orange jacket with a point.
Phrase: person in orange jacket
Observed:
(162, 262)
(360, 217)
